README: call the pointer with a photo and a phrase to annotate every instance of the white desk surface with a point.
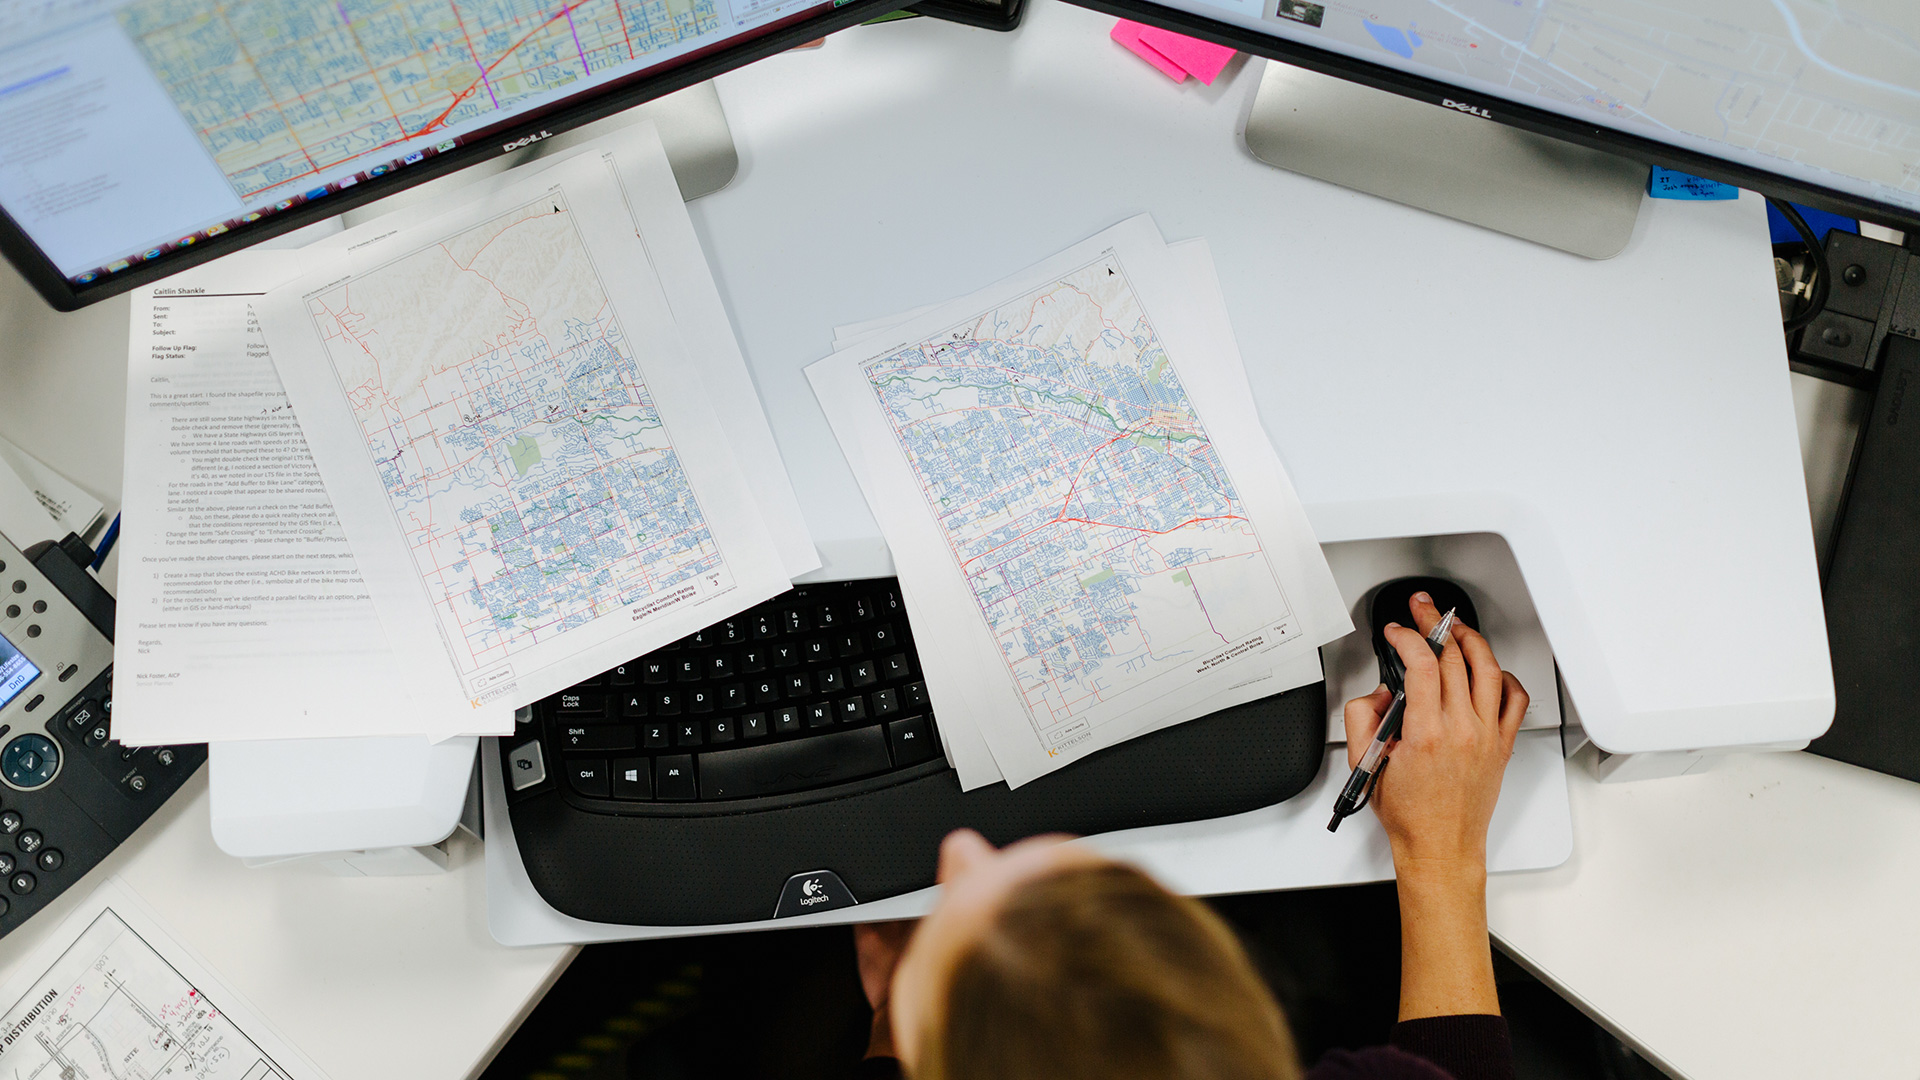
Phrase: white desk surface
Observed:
(893, 138)
(1751, 922)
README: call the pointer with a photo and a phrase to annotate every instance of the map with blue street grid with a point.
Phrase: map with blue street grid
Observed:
(518, 445)
(283, 91)
(1080, 496)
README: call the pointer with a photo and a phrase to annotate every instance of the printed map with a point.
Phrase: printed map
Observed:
(111, 1008)
(282, 90)
(515, 438)
(1079, 494)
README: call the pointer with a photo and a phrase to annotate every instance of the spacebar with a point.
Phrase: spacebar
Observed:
(777, 768)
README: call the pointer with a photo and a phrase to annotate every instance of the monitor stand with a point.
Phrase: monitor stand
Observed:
(1451, 163)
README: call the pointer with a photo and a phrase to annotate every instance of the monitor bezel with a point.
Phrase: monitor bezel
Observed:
(1507, 111)
(645, 85)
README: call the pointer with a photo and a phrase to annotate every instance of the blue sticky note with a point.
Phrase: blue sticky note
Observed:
(1668, 184)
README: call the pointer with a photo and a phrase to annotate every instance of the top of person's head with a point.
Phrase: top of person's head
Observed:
(1049, 961)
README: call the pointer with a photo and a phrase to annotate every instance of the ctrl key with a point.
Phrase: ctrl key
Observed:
(589, 777)
(673, 778)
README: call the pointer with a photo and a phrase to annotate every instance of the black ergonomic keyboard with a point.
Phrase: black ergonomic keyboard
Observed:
(817, 688)
(69, 792)
(787, 760)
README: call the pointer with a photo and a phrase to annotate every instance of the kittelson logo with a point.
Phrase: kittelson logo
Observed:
(529, 140)
(26, 1021)
(1466, 108)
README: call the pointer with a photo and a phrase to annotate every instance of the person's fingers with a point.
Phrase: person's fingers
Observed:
(1423, 675)
(1455, 683)
(1425, 615)
(1487, 684)
(1363, 719)
(1513, 708)
(962, 850)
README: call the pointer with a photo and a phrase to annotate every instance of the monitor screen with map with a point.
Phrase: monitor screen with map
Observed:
(138, 137)
(1814, 100)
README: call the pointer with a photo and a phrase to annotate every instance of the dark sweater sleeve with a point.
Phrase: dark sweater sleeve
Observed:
(1469, 1047)
(876, 1068)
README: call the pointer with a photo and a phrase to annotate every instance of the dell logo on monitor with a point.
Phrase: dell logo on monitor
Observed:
(1466, 108)
(525, 140)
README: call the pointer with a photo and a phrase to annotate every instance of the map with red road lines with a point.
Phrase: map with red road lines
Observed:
(514, 435)
(285, 90)
(1079, 494)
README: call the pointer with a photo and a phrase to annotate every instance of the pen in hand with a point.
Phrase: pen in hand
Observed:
(1359, 785)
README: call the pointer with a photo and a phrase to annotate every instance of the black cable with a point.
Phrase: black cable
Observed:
(1816, 300)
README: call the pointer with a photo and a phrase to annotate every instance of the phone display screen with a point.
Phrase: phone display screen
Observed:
(16, 672)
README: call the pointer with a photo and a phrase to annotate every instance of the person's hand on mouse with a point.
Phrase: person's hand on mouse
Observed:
(1436, 797)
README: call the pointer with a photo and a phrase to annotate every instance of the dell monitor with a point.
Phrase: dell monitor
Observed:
(140, 137)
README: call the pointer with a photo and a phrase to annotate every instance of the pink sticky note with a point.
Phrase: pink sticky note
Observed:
(1201, 59)
(1127, 33)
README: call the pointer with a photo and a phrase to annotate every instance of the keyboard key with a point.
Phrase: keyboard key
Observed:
(655, 672)
(700, 699)
(780, 767)
(861, 609)
(720, 666)
(764, 692)
(579, 703)
(753, 660)
(799, 685)
(703, 639)
(753, 726)
(733, 697)
(786, 654)
(633, 778)
(597, 737)
(829, 680)
(624, 675)
(656, 734)
(896, 667)
(762, 627)
(787, 721)
(912, 741)
(816, 650)
(885, 703)
(720, 731)
(732, 632)
(588, 776)
(828, 617)
(688, 669)
(849, 643)
(864, 673)
(819, 715)
(690, 733)
(633, 704)
(666, 703)
(673, 778)
(882, 638)
(795, 621)
(889, 602)
(915, 695)
(852, 710)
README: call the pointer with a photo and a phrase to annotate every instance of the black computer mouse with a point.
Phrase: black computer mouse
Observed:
(1390, 604)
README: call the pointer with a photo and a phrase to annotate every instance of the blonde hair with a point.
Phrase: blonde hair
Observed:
(1099, 973)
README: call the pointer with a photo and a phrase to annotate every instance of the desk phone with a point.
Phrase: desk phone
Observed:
(69, 793)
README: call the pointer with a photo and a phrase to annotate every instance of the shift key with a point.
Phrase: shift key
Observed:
(777, 768)
(597, 737)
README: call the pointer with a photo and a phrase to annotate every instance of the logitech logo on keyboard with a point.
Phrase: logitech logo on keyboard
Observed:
(812, 892)
(1466, 108)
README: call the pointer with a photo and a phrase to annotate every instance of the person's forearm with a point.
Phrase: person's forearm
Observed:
(1446, 962)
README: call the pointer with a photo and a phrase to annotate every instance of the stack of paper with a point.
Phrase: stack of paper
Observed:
(520, 459)
(1094, 536)
(68, 506)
